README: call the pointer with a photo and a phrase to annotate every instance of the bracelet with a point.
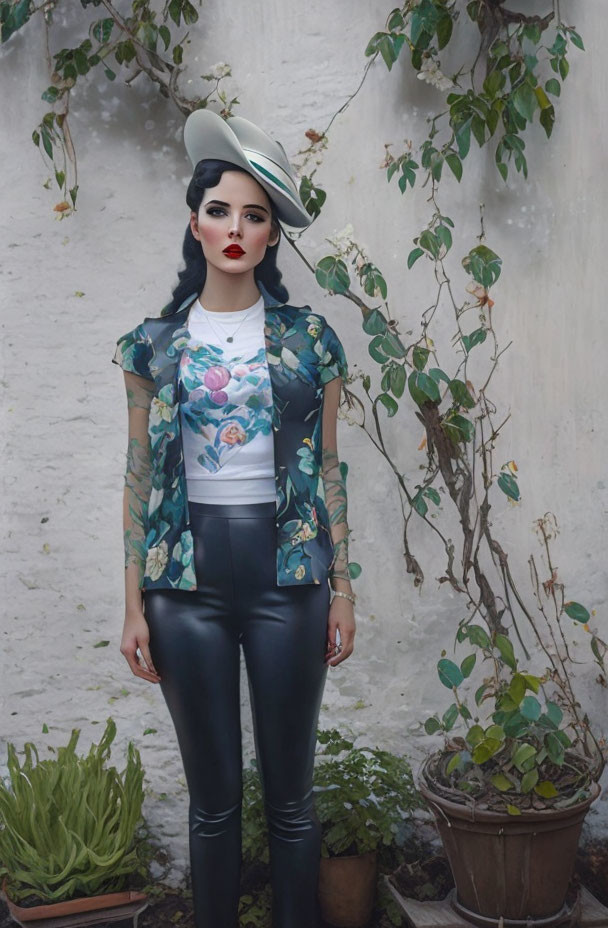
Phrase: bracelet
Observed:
(350, 596)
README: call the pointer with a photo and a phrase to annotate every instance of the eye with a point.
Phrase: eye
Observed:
(213, 210)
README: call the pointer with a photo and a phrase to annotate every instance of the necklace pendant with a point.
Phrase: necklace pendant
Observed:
(230, 338)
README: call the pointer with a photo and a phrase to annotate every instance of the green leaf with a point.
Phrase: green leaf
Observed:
(449, 716)
(332, 274)
(13, 16)
(474, 735)
(457, 428)
(375, 349)
(501, 782)
(486, 749)
(102, 29)
(506, 649)
(432, 494)
(475, 338)
(546, 789)
(483, 265)
(554, 712)
(529, 780)
(576, 39)
(513, 810)
(460, 392)
(467, 665)
(478, 636)
(522, 755)
(515, 725)
(480, 692)
(532, 682)
(495, 732)
(50, 94)
(530, 708)
(463, 137)
(375, 323)
(389, 403)
(449, 673)
(432, 725)
(553, 86)
(423, 388)
(455, 165)
(508, 485)
(577, 612)
(517, 688)
(420, 357)
(397, 379)
(454, 762)
(46, 141)
(413, 256)
(437, 374)
(525, 102)
(554, 748)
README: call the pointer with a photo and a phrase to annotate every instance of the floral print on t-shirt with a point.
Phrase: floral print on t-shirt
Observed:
(224, 402)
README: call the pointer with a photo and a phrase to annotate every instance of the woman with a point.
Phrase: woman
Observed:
(235, 517)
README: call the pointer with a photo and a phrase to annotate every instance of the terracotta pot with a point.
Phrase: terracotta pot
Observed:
(80, 911)
(515, 867)
(347, 887)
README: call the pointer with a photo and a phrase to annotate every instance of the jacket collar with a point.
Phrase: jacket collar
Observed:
(174, 334)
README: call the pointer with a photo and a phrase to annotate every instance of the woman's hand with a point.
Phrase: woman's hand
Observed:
(136, 634)
(342, 618)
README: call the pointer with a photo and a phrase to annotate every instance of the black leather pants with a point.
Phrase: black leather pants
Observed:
(194, 643)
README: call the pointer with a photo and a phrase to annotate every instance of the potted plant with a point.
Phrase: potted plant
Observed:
(68, 833)
(362, 798)
(510, 794)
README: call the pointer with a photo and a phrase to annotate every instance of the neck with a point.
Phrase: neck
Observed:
(228, 292)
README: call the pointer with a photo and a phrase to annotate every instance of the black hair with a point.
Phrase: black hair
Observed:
(207, 173)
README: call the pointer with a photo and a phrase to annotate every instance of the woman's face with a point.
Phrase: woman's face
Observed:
(236, 212)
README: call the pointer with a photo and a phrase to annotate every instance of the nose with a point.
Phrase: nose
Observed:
(236, 227)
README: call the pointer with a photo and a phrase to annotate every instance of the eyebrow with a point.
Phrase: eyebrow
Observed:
(246, 206)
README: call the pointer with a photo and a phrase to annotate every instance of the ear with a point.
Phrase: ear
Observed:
(275, 235)
(194, 225)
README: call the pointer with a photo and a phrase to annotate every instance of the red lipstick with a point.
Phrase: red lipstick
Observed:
(233, 251)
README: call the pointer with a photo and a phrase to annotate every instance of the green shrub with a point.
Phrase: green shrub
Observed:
(364, 798)
(67, 825)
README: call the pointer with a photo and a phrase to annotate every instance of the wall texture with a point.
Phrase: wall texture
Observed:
(64, 411)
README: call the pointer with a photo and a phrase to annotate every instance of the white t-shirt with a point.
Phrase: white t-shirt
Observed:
(225, 407)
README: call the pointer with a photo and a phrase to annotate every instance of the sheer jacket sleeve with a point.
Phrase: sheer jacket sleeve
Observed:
(138, 482)
(133, 353)
(334, 364)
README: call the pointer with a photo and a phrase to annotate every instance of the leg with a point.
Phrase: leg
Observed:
(284, 639)
(195, 646)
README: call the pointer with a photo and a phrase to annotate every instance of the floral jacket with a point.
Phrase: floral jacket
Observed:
(303, 354)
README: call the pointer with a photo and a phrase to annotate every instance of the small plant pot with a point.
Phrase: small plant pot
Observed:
(347, 887)
(73, 913)
(512, 868)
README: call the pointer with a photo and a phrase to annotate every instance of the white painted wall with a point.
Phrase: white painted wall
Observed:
(64, 411)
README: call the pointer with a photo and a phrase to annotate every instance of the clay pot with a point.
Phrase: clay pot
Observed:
(514, 867)
(77, 912)
(347, 887)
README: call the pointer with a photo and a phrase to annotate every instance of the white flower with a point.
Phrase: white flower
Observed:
(156, 561)
(343, 240)
(430, 73)
(219, 70)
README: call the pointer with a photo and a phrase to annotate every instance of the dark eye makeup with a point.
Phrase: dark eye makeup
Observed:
(213, 209)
